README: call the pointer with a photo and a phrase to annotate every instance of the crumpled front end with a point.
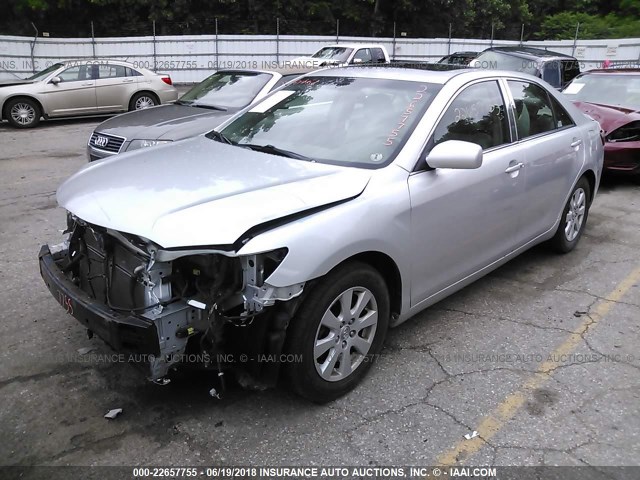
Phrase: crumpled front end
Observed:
(167, 307)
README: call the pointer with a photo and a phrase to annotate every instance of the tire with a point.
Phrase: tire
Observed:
(353, 282)
(574, 218)
(22, 112)
(142, 100)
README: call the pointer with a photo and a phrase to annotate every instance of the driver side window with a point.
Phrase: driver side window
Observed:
(477, 115)
(75, 74)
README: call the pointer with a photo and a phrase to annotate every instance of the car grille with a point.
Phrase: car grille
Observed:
(107, 143)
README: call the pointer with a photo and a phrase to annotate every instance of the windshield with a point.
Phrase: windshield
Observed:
(501, 61)
(227, 90)
(41, 75)
(606, 89)
(346, 121)
(340, 54)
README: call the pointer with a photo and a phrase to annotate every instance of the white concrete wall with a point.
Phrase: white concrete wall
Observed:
(190, 58)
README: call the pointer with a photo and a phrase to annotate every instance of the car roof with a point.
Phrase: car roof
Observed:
(282, 71)
(414, 74)
(96, 61)
(354, 45)
(530, 52)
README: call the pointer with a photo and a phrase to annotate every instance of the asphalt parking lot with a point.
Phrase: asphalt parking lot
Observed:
(541, 358)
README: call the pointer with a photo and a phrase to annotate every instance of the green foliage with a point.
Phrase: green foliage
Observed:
(555, 19)
(563, 26)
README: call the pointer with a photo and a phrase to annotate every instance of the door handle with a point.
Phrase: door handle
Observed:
(514, 168)
(130, 80)
(87, 84)
(576, 143)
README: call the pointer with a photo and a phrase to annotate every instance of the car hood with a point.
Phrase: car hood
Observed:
(166, 122)
(610, 117)
(201, 192)
(11, 83)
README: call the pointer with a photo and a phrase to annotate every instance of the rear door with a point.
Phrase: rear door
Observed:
(75, 94)
(554, 153)
(115, 85)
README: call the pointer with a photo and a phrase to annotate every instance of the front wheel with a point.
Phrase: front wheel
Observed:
(574, 218)
(143, 100)
(23, 113)
(337, 332)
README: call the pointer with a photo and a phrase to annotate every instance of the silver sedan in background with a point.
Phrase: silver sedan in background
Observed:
(83, 87)
(338, 206)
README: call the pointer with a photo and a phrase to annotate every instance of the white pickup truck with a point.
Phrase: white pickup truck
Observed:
(345, 54)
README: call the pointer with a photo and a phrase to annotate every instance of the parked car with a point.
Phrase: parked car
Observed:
(345, 54)
(83, 87)
(201, 109)
(555, 68)
(342, 204)
(612, 97)
(459, 58)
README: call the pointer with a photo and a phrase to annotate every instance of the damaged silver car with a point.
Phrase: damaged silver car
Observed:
(288, 240)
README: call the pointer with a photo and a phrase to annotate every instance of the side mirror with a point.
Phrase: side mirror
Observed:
(55, 80)
(455, 154)
(356, 60)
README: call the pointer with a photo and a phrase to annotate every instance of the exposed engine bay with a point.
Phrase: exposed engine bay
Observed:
(207, 304)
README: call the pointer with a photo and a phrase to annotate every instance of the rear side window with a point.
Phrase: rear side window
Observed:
(132, 73)
(477, 115)
(570, 70)
(551, 73)
(378, 55)
(560, 115)
(534, 111)
(111, 71)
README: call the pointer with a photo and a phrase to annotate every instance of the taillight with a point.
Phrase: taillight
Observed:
(167, 79)
(628, 133)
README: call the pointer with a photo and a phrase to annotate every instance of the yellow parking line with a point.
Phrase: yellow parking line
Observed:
(506, 410)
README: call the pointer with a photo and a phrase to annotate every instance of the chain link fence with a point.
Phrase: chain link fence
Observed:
(278, 26)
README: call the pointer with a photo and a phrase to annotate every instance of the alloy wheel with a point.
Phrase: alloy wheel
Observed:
(144, 102)
(23, 113)
(345, 334)
(575, 214)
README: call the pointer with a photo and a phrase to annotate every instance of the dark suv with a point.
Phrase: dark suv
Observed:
(555, 68)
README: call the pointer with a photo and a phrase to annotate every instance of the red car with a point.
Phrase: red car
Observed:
(612, 97)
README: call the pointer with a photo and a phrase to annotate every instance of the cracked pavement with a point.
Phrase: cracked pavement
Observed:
(439, 376)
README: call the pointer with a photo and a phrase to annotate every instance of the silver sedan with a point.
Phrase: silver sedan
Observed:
(291, 238)
(83, 87)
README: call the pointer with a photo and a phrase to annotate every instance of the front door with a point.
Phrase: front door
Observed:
(464, 220)
(75, 94)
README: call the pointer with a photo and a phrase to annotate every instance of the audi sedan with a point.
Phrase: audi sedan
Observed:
(288, 240)
(204, 107)
(82, 87)
(612, 97)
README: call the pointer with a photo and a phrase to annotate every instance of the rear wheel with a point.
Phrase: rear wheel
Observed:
(142, 100)
(574, 218)
(337, 332)
(23, 113)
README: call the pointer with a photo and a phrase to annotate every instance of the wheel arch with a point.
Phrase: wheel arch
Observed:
(389, 270)
(148, 92)
(591, 178)
(19, 95)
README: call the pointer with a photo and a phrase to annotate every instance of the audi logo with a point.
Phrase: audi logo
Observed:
(101, 141)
